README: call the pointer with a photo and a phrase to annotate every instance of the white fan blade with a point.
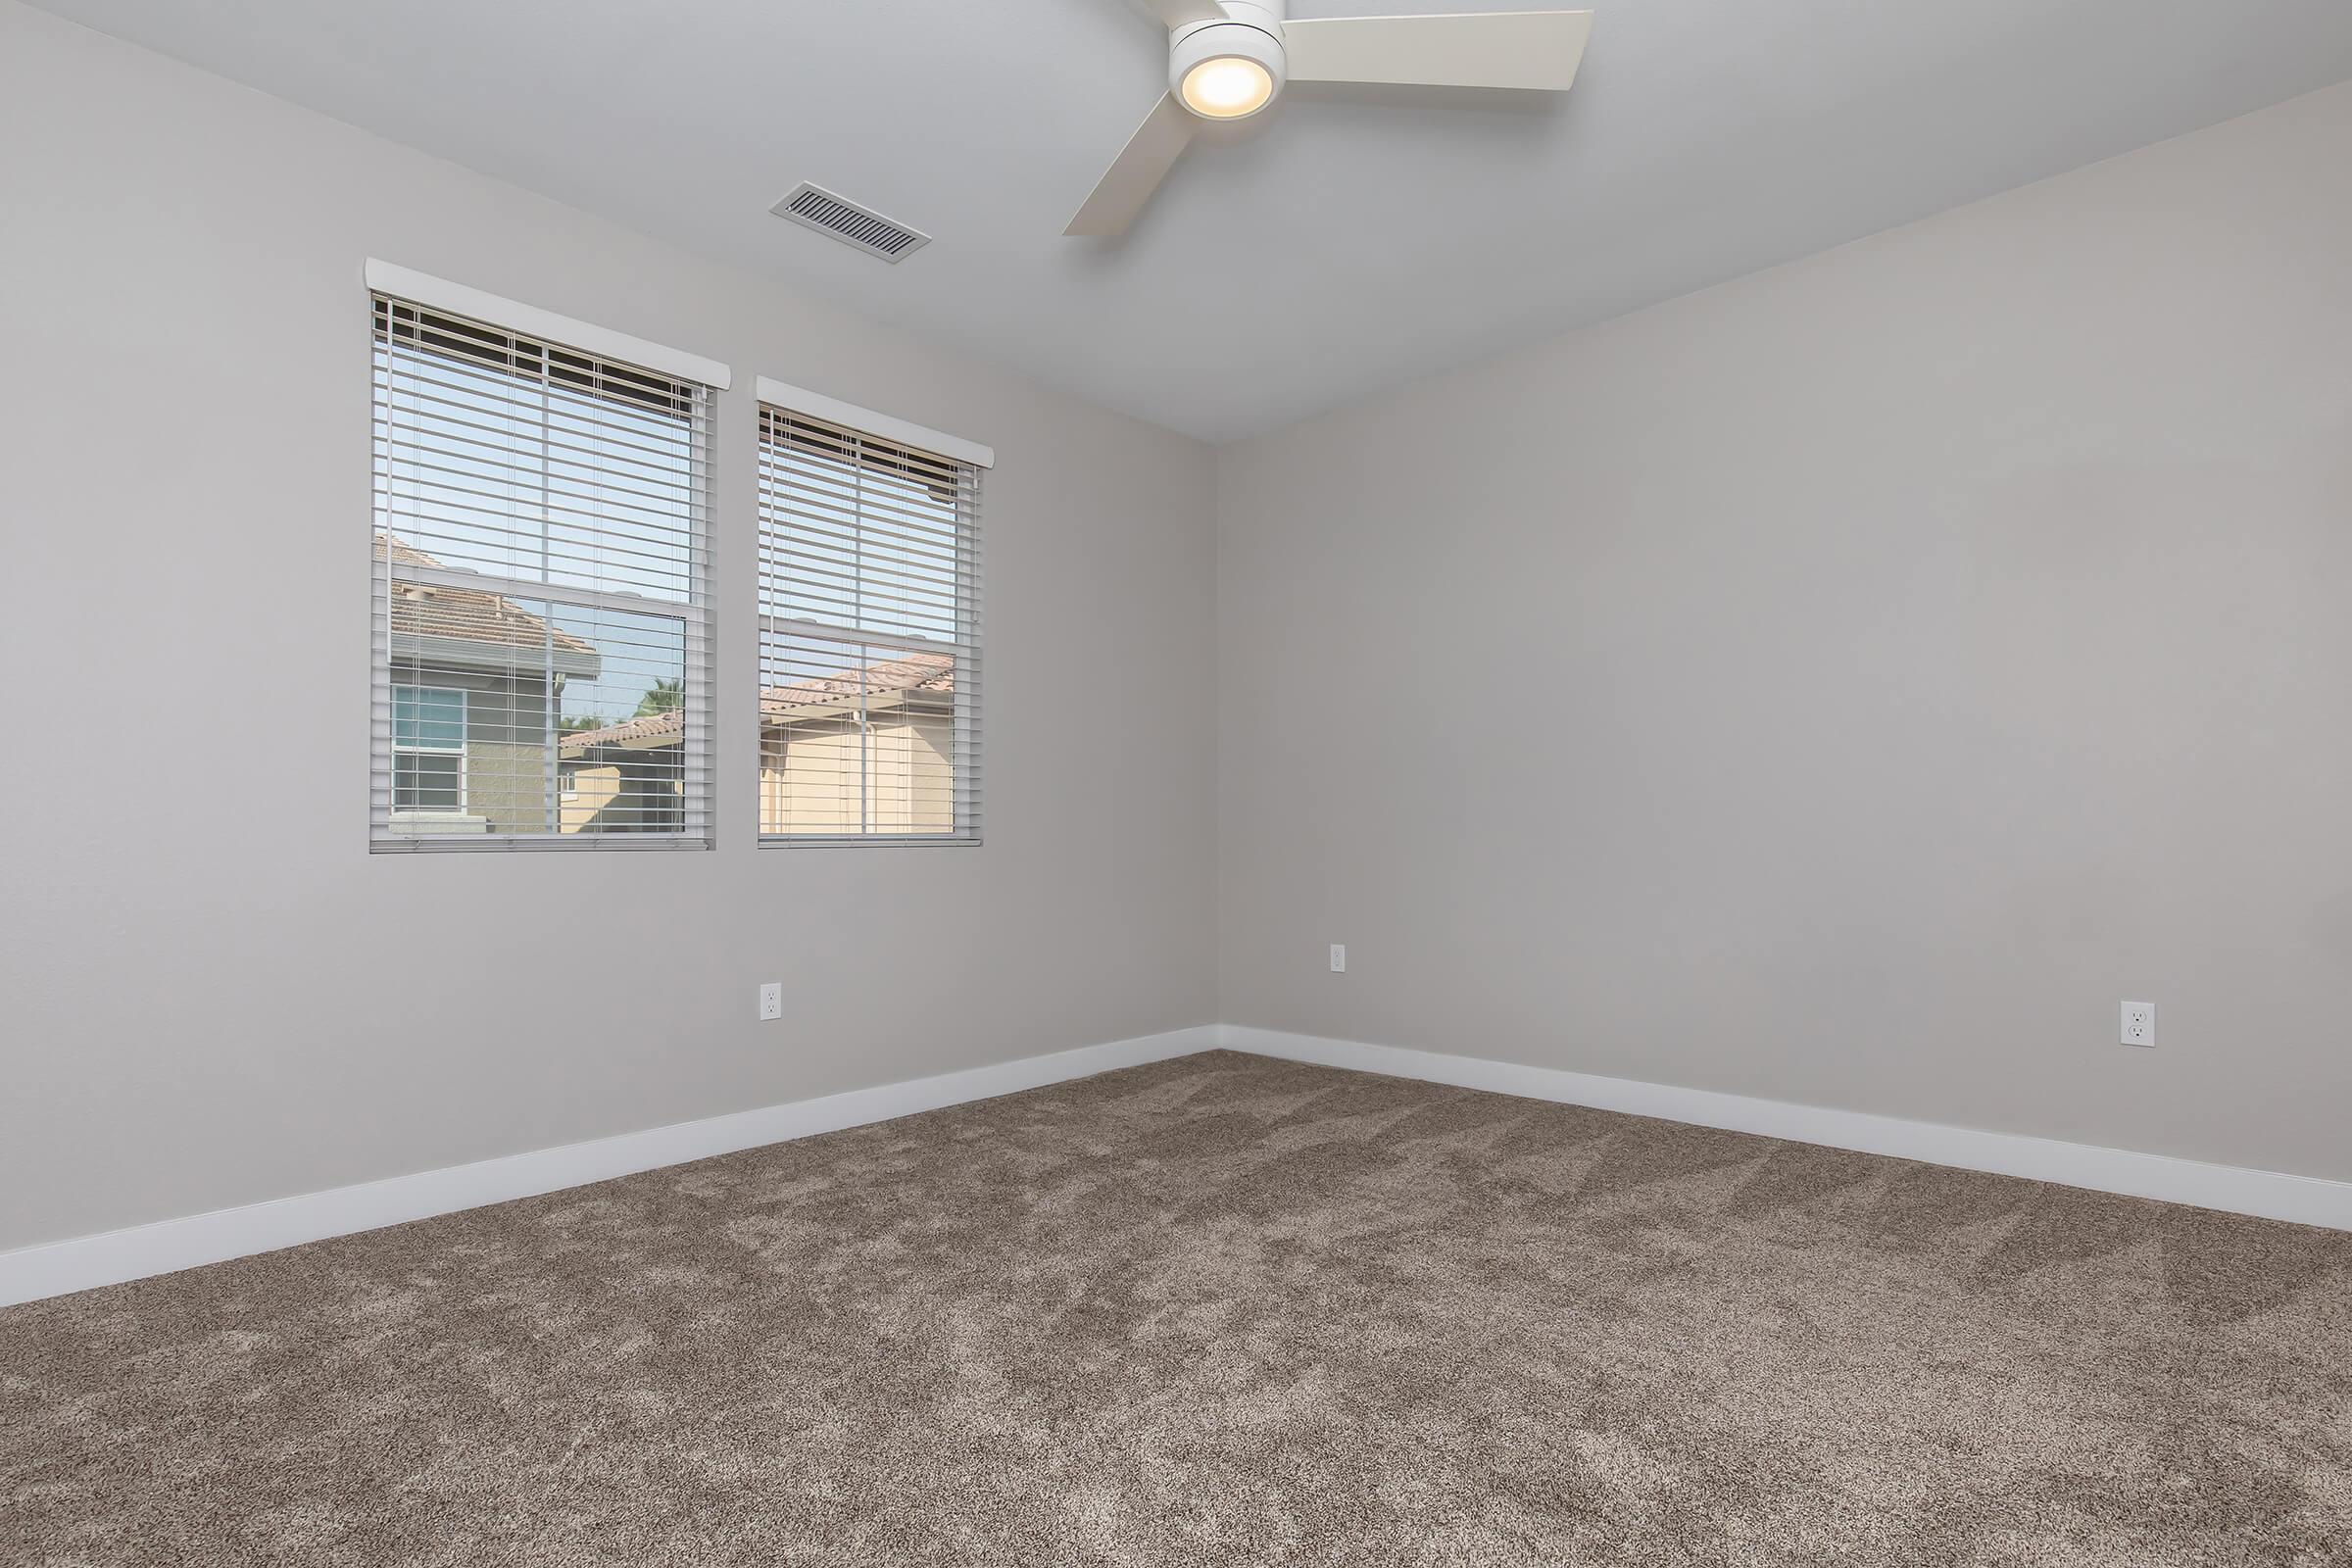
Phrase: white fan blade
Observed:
(1179, 13)
(1137, 172)
(1528, 49)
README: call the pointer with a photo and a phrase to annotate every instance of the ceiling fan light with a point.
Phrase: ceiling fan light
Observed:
(1227, 87)
(1226, 70)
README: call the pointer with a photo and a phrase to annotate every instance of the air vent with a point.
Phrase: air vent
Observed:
(814, 207)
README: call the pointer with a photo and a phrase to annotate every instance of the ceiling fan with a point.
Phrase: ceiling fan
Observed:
(1229, 59)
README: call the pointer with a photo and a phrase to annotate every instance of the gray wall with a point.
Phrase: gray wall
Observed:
(1841, 686)
(210, 993)
(1849, 684)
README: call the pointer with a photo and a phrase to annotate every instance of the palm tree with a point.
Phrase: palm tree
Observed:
(665, 696)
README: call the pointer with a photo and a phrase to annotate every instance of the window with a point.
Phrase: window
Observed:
(870, 627)
(542, 590)
(428, 749)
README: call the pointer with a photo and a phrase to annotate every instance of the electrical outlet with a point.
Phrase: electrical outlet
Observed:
(772, 1000)
(1338, 957)
(2139, 1023)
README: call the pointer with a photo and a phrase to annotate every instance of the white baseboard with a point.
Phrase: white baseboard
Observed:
(113, 1257)
(2270, 1194)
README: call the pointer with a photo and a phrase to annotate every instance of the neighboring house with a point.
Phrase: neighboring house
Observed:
(863, 751)
(476, 683)
(627, 778)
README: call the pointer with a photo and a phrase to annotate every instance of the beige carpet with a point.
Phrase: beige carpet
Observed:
(1220, 1310)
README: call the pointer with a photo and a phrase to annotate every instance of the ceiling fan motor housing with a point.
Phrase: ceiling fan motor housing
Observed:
(1247, 32)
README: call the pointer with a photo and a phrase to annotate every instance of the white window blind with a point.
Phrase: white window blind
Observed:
(542, 593)
(869, 637)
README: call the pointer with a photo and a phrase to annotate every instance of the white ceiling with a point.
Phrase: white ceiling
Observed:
(1341, 242)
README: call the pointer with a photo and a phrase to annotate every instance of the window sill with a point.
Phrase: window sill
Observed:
(846, 841)
(398, 841)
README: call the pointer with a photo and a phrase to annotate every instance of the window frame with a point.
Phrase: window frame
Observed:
(412, 749)
(972, 461)
(698, 382)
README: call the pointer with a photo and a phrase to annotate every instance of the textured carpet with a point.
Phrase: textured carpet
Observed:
(1219, 1310)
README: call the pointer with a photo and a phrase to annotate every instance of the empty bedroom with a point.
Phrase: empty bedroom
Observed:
(1212, 783)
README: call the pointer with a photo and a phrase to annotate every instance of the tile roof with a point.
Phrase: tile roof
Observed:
(465, 615)
(651, 726)
(916, 672)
